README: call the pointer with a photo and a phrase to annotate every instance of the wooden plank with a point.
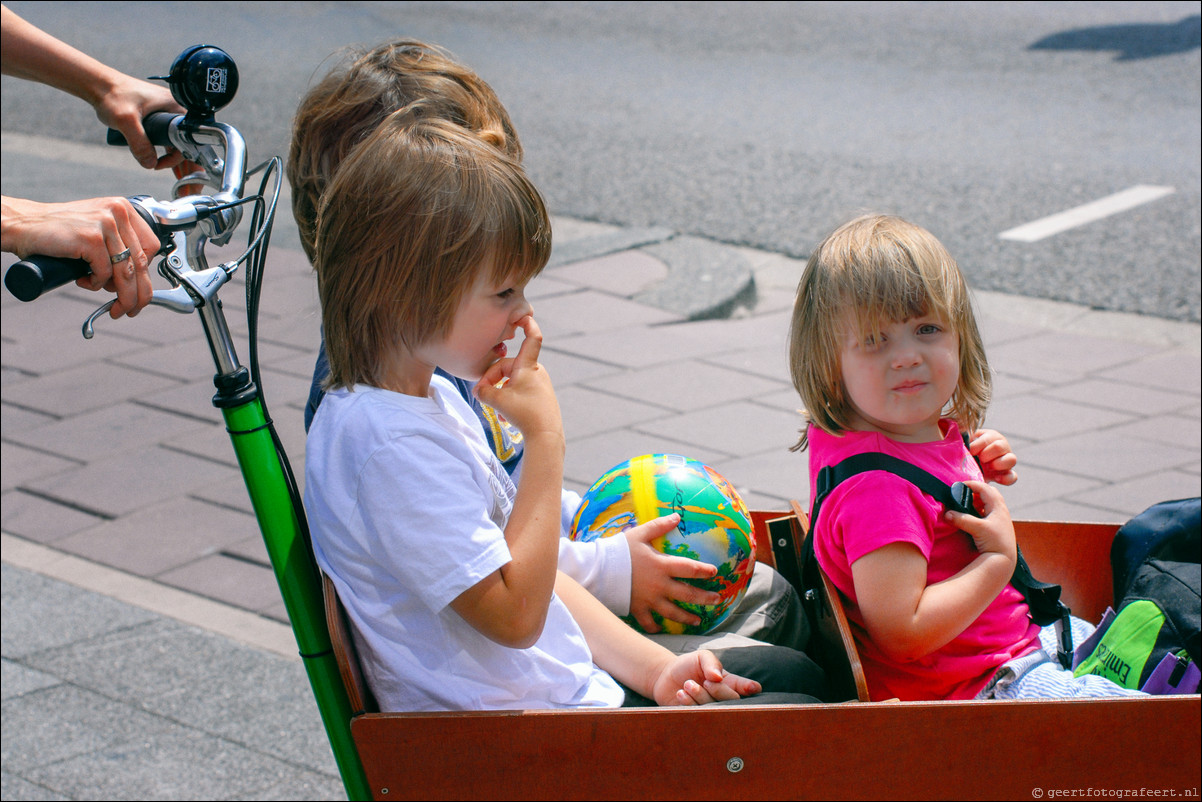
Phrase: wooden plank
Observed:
(935, 750)
(1075, 556)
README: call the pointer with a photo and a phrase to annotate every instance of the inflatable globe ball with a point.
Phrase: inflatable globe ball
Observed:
(715, 526)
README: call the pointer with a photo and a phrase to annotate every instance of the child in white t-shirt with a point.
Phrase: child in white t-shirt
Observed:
(426, 238)
(625, 573)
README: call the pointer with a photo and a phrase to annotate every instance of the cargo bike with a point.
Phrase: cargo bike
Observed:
(856, 748)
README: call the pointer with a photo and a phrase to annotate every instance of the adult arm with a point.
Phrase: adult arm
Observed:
(120, 101)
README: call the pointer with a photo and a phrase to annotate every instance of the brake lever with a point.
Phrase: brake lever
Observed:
(193, 289)
(176, 299)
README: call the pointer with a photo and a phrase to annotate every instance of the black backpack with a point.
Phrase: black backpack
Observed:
(1170, 530)
(1042, 598)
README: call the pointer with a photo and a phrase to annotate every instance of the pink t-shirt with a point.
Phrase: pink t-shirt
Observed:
(871, 510)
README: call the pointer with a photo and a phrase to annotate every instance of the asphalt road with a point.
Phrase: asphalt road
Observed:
(767, 124)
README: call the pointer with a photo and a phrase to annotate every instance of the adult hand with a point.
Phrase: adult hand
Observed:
(125, 105)
(120, 101)
(105, 232)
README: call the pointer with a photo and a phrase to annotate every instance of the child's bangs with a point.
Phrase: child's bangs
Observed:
(519, 232)
(901, 286)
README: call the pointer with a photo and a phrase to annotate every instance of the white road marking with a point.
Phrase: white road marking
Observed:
(1089, 212)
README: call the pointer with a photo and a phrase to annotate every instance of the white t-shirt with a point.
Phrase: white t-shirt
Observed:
(407, 505)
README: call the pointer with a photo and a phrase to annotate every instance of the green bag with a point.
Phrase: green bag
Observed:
(1127, 642)
(1152, 643)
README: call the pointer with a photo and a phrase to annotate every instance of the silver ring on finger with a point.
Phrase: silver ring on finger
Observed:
(118, 258)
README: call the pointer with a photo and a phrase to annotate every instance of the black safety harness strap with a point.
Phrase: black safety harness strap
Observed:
(1042, 598)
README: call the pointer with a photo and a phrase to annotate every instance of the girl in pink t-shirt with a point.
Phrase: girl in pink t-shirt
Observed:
(886, 355)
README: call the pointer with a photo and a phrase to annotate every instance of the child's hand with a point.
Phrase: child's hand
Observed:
(698, 678)
(995, 455)
(994, 531)
(525, 395)
(655, 577)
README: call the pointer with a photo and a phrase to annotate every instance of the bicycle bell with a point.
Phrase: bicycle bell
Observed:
(203, 79)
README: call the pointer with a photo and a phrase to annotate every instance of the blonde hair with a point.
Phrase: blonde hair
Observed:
(403, 229)
(878, 268)
(362, 89)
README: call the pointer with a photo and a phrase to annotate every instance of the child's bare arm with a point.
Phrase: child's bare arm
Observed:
(907, 618)
(995, 455)
(510, 607)
(645, 666)
(655, 578)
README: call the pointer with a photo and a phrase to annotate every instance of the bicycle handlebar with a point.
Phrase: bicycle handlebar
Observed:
(220, 213)
(156, 125)
(203, 79)
(29, 278)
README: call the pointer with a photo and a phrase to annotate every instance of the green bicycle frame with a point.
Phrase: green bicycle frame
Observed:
(294, 566)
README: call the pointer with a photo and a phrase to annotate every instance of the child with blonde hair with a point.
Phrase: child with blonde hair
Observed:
(886, 356)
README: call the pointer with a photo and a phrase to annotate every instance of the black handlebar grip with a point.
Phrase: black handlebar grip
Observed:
(156, 125)
(31, 277)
